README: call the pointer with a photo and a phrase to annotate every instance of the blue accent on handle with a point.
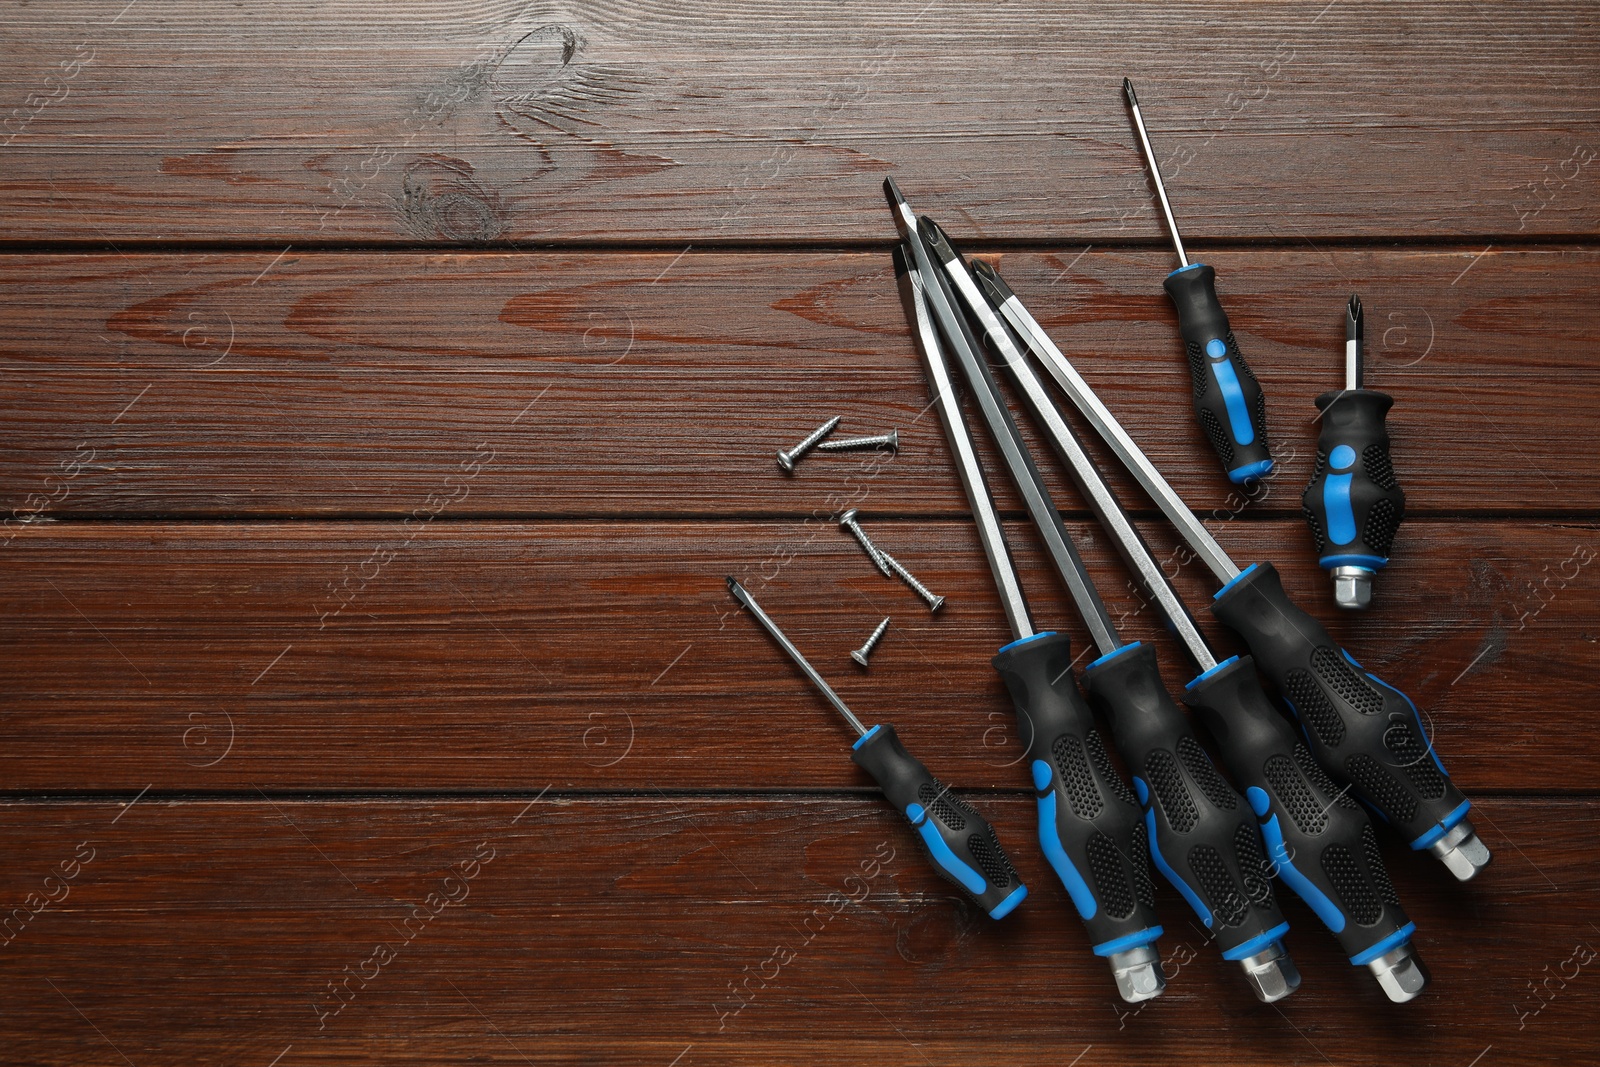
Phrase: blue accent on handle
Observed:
(1278, 850)
(1421, 729)
(1165, 868)
(864, 738)
(941, 851)
(1342, 458)
(1025, 640)
(1180, 270)
(1233, 396)
(1257, 943)
(1443, 826)
(1249, 472)
(1213, 670)
(1050, 840)
(1008, 905)
(1215, 348)
(1399, 937)
(1142, 789)
(1041, 774)
(1354, 559)
(1336, 504)
(1112, 653)
(1147, 936)
(1237, 578)
(1259, 801)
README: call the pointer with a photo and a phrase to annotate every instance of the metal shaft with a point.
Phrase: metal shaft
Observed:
(742, 595)
(1029, 483)
(1355, 324)
(991, 535)
(1135, 553)
(1155, 171)
(1106, 425)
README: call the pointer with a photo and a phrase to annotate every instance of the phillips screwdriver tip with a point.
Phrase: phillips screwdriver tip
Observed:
(1127, 87)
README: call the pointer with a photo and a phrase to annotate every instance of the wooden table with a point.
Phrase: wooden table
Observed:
(388, 389)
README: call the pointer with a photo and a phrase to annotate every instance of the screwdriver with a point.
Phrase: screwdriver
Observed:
(1319, 840)
(1089, 826)
(1353, 503)
(1201, 835)
(1227, 398)
(958, 841)
(1364, 731)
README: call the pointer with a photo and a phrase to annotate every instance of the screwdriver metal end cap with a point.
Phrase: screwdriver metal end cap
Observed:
(1400, 973)
(1138, 973)
(1462, 851)
(1271, 973)
(1352, 587)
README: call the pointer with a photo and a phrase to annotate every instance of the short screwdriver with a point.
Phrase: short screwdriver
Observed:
(1201, 834)
(1089, 826)
(1361, 729)
(958, 841)
(1353, 504)
(1319, 841)
(1227, 398)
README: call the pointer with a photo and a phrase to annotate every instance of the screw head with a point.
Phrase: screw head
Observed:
(848, 517)
(785, 462)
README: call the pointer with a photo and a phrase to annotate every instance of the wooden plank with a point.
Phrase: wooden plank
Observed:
(605, 385)
(606, 121)
(650, 929)
(609, 656)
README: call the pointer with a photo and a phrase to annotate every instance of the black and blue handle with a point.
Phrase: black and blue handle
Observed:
(1319, 840)
(1354, 503)
(1089, 825)
(1359, 727)
(1227, 398)
(958, 841)
(1203, 837)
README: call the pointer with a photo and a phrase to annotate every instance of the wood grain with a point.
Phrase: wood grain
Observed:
(457, 656)
(609, 385)
(609, 120)
(620, 930)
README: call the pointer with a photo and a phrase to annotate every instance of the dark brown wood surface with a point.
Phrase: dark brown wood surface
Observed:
(388, 389)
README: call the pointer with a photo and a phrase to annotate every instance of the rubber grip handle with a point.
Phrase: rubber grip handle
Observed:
(1353, 503)
(1319, 841)
(1202, 834)
(959, 842)
(1360, 728)
(1090, 827)
(1227, 398)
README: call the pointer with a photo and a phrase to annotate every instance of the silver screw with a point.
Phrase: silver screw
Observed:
(848, 521)
(786, 460)
(934, 601)
(890, 440)
(887, 563)
(860, 655)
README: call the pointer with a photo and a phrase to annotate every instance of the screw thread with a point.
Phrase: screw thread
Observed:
(860, 655)
(787, 459)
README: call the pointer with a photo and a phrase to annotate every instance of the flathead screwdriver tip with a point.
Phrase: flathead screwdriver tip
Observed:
(735, 588)
(904, 219)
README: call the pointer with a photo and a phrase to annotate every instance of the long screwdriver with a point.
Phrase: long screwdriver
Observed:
(1361, 729)
(1089, 826)
(1201, 835)
(959, 842)
(1353, 502)
(1227, 398)
(1319, 841)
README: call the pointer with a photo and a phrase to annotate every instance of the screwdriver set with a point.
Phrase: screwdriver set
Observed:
(1290, 801)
